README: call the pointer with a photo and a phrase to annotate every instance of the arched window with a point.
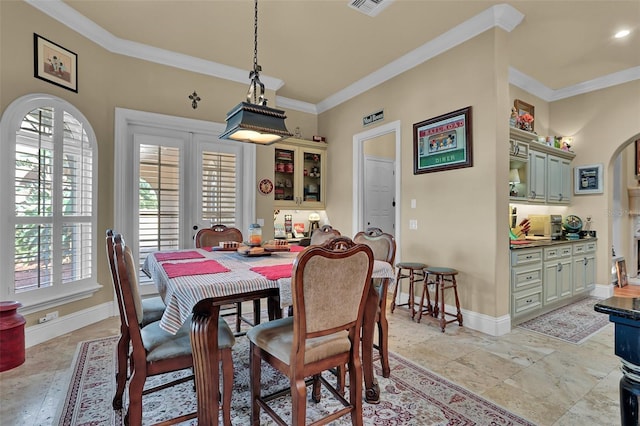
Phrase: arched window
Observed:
(49, 167)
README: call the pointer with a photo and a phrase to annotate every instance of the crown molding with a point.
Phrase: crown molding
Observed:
(501, 16)
(68, 16)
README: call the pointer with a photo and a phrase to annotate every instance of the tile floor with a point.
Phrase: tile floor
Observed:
(545, 380)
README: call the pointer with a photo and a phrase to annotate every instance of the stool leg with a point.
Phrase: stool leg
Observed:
(411, 293)
(426, 287)
(395, 290)
(421, 308)
(455, 292)
(443, 321)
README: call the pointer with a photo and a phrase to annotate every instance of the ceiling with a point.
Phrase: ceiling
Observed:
(318, 53)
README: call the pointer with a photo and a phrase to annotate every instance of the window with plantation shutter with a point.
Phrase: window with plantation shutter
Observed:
(49, 203)
(219, 188)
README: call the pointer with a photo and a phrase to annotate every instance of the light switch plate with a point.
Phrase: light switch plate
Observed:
(413, 224)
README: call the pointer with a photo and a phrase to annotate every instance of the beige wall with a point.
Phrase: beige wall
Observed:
(461, 214)
(456, 209)
(107, 81)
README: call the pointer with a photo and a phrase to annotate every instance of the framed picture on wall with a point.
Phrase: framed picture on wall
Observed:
(54, 64)
(588, 179)
(443, 142)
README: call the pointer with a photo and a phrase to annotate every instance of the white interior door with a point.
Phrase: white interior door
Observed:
(379, 194)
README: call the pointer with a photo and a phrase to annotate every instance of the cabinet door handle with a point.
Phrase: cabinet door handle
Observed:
(559, 267)
(559, 197)
(586, 261)
(533, 194)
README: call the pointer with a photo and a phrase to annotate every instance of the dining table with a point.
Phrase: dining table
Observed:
(188, 276)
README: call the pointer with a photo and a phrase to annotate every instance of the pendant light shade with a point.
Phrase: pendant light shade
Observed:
(255, 122)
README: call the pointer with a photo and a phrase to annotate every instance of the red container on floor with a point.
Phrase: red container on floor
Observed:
(11, 335)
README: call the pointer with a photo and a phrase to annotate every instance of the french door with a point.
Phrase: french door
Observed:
(177, 177)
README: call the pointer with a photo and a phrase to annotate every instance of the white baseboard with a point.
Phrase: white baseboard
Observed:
(40, 333)
(477, 321)
(602, 291)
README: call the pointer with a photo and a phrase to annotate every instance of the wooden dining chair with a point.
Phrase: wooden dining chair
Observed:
(324, 332)
(155, 351)
(152, 310)
(323, 234)
(383, 246)
(212, 237)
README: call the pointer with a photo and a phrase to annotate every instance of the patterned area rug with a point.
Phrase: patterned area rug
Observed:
(573, 323)
(412, 396)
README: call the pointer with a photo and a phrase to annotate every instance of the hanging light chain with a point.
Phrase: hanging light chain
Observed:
(254, 75)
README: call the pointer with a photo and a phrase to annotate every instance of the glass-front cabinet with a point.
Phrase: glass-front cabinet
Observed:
(299, 174)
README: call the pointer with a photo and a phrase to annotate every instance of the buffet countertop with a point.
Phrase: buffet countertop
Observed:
(524, 244)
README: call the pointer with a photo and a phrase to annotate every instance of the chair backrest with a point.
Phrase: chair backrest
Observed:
(127, 281)
(382, 244)
(114, 275)
(330, 285)
(323, 234)
(211, 237)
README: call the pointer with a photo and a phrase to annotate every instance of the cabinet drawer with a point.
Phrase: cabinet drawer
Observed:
(526, 301)
(557, 252)
(518, 149)
(525, 277)
(590, 247)
(525, 257)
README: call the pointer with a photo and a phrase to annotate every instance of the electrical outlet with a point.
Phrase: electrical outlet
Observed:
(48, 317)
(413, 203)
(413, 224)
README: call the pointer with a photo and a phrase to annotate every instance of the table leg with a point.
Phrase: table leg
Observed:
(372, 390)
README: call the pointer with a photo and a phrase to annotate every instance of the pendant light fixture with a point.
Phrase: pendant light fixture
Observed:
(253, 121)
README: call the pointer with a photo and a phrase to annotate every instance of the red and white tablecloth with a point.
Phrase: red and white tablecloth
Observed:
(182, 292)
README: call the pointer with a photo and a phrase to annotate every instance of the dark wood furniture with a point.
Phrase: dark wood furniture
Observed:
(443, 279)
(324, 332)
(412, 271)
(152, 310)
(323, 234)
(154, 351)
(383, 246)
(624, 312)
(212, 237)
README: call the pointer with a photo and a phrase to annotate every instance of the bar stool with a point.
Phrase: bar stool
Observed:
(441, 276)
(412, 269)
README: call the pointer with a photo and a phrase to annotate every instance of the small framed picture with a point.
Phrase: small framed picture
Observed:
(588, 179)
(621, 271)
(525, 115)
(54, 64)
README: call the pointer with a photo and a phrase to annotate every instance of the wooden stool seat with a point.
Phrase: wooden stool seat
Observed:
(407, 270)
(441, 277)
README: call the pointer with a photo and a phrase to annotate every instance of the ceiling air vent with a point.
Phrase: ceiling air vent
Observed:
(369, 7)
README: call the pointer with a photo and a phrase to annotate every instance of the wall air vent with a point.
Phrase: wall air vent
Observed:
(369, 7)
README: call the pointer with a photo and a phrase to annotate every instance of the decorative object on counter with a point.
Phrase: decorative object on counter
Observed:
(588, 179)
(573, 225)
(520, 232)
(443, 142)
(194, 99)
(287, 223)
(296, 133)
(314, 222)
(514, 179)
(621, 272)
(526, 114)
(317, 138)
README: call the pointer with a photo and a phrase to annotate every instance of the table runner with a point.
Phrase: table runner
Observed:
(177, 255)
(180, 294)
(174, 270)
